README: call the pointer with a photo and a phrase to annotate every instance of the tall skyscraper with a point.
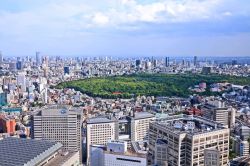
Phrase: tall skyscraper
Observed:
(167, 61)
(61, 124)
(19, 65)
(66, 69)
(138, 63)
(1, 57)
(195, 60)
(38, 59)
(184, 140)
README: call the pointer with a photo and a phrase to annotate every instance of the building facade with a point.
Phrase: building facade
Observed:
(61, 124)
(182, 141)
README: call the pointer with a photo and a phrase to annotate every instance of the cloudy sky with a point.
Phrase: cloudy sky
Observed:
(125, 27)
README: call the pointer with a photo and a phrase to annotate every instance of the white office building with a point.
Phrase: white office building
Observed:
(61, 124)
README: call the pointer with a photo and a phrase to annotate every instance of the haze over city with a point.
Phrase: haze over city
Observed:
(125, 27)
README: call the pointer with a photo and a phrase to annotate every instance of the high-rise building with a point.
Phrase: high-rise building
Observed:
(66, 70)
(167, 61)
(38, 59)
(195, 61)
(61, 124)
(140, 125)
(186, 140)
(138, 63)
(231, 117)
(1, 58)
(244, 132)
(241, 147)
(154, 63)
(99, 131)
(19, 65)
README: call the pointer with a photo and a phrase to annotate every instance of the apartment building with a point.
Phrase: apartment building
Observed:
(187, 140)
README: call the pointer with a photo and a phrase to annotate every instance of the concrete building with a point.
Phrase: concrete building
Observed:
(216, 111)
(99, 131)
(182, 140)
(129, 128)
(244, 132)
(61, 124)
(115, 154)
(140, 125)
(241, 147)
(211, 157)
(231, 117)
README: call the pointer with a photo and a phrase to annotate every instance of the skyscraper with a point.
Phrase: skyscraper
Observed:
(61, 124)
(38, 59)
(1, 57)
(195, 60)
(138, 63)
(167, 61)
(19, 65)
(66, 69)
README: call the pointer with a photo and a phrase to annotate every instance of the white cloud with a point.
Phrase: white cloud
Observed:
(100, 19)
(76, 15)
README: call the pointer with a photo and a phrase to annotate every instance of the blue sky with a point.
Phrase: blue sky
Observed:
(125, 27)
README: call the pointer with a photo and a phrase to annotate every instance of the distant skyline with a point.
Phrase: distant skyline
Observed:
(125, 27)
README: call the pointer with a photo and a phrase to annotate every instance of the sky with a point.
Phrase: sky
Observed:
(125, 27)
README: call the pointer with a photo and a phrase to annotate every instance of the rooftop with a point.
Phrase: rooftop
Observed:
(189, 124)
(58, 110)
(99, 120)
(61, 158)
(20, 151)
(127, 153)
(143, 115)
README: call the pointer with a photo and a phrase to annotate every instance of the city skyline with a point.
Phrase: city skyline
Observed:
(125, 27)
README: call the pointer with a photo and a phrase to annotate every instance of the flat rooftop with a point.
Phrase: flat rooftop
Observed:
(61, 158)
(58, 110)
(29, 152)
(97, 120)
(127, 153)
(143, 115)
(189, 124)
